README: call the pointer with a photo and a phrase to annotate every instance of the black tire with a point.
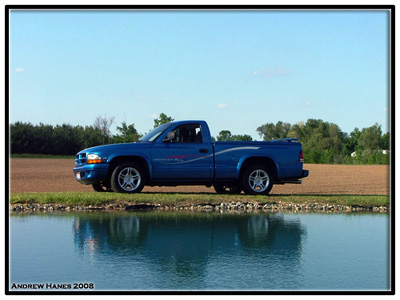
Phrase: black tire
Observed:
(128, 178)
(257, 180)
(101, 187)
(221, 188)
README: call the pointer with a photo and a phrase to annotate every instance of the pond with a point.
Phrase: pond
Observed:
(194, 251)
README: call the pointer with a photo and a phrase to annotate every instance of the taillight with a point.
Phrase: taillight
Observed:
(301, 156)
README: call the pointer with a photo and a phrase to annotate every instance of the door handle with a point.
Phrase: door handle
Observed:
(203, 150)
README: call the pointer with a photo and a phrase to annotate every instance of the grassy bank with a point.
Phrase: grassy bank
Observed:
(92, 198)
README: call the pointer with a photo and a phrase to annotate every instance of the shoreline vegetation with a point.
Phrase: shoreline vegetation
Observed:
(87, 201)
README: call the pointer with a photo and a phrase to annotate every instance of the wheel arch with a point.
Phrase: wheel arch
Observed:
(261, 160)
(115, 161)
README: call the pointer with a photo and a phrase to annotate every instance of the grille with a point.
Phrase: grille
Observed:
(80, 159)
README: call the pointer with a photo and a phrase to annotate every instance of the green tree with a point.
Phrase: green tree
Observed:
(352, 141)
(67, 139)
(296, 131)
(385, 141)
(224, 135)
(21, 137)
(162, 119)
(269, 131)
(322, 141)
(368, 145)
(127, 133)
(241, 138)
(370, 138)
(42, 144)
(92, 137)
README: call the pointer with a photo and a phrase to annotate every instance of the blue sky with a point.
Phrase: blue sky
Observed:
(237, 70)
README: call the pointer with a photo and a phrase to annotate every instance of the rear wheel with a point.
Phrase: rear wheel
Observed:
(127, 178)
(257, 180)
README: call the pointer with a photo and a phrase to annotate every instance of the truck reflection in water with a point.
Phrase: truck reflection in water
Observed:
(186, 242)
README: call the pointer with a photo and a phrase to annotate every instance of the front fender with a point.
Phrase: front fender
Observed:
(133, 156)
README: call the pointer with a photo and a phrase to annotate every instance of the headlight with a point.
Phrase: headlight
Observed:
(94, 159)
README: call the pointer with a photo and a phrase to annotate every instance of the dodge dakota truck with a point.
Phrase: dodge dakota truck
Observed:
(183, 153)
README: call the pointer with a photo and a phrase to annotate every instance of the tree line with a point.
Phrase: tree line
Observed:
(323, 142)
(66, 139)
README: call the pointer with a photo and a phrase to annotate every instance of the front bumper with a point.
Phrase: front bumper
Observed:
(91, 173)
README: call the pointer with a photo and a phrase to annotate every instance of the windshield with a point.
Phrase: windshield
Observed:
(154, 134)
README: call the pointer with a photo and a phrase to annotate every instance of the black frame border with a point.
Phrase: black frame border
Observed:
(391, 25)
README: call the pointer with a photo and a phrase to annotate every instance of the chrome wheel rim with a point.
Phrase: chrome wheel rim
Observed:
(129, 179)
(259, 180)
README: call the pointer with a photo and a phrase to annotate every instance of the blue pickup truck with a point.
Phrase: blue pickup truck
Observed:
(182, 153)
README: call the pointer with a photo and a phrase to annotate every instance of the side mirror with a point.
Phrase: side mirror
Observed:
(170, 136)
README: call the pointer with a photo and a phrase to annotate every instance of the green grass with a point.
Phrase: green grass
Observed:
(92, 198)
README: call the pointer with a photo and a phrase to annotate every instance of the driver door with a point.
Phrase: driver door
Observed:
(185, 157)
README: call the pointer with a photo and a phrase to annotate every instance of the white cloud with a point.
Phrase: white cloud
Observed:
(308, 103)
(222, 105)
(271, 72)
(19, 70)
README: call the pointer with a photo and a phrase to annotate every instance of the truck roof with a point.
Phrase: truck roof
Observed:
(187, 121)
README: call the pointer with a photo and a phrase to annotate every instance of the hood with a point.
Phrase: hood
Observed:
(107, 149)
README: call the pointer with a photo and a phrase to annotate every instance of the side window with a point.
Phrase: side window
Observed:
(199, 136)
(188, 133)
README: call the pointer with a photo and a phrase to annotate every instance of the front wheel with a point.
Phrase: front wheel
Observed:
(257, 180)
(127, 178)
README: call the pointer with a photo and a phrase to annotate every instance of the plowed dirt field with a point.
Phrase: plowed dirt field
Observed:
(55, 175)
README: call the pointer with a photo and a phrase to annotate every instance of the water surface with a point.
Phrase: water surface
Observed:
(136, 251)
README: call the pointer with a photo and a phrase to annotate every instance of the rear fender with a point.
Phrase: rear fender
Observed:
(247, 160)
